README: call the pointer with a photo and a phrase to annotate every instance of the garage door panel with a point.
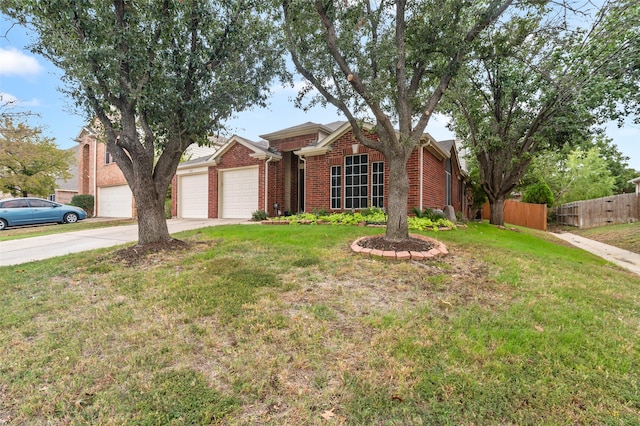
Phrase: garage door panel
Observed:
(239, 193)
(115, 201)
(193, 193)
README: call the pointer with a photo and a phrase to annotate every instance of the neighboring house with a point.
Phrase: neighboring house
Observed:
(311, 167)
(67, 188)
(100, 176)
(636, 182)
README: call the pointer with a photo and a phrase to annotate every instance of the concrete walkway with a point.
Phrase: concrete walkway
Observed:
(15, 252)
(620, 257)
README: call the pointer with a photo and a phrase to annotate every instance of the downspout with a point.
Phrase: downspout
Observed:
(304, 162)
(421, 183)
(95, 177)
(266, 184)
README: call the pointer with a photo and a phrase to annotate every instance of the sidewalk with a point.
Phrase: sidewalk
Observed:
(620, 257)
(15, 252)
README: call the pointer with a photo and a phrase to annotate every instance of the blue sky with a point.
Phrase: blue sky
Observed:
(32, 83)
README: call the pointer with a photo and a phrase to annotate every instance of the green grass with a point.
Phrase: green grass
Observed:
(19, 232)
(284, 325)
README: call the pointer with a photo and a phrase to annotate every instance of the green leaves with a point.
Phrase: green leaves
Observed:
(158, 75)
(29, 162)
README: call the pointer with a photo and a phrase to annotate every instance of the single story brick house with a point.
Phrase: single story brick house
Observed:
(311, 167)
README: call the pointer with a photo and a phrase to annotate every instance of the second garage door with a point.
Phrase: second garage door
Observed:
(239, 198)
(115, 201)
(193, 196)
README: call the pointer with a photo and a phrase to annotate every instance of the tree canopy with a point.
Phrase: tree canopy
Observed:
(531, 83)
(586, 176)
(29, 162)
(159, 75)
(387, 64)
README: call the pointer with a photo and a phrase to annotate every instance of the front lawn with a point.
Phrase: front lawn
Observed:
(284, 325)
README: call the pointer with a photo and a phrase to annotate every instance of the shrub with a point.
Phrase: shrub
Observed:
(538, 193)
(429, 214)
(84, 201)
(259, 215)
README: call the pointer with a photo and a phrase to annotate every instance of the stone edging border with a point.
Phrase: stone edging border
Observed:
(438, 249)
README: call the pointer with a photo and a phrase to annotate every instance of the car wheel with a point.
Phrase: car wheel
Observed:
(70, 218)
(3, 224)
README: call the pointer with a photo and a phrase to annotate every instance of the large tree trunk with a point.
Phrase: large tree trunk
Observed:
(397, 224)
(152, 224)
(497, 211)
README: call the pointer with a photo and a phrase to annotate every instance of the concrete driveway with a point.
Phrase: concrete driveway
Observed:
(15, 252)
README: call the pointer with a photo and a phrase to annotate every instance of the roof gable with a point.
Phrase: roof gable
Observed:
(260, 149)
(301, 129)
(324, 145)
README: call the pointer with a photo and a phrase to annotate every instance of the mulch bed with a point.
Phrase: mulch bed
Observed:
(412, 244)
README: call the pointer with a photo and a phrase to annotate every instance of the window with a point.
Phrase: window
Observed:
(40, 203)
(377, 184)
(447, 188)
(356, 182)
(336, 187)
(107, 157)
(15, 204)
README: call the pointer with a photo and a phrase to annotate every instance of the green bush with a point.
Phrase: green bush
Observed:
(373, 217)
(258, 215)
(538, 193)
(85, 202)
(428, 214)
(167, 208)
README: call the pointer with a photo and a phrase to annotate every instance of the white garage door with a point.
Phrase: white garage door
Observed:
(115, 201)
(193, 196)
(239, 189)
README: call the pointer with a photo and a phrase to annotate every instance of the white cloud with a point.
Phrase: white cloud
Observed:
(16, 63)
(10, 101)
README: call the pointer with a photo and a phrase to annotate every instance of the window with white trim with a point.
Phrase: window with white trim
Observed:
(107, 157)
(377, 184)
(336, 187)
(356, 185)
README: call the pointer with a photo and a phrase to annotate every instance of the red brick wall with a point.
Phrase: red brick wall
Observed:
(293, 143)
(318, 175)
(318, 183)
(174, 196)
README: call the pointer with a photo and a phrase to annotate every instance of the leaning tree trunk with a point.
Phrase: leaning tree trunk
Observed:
(397, 224)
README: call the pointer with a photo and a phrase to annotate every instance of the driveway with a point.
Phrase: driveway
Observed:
(15, 252)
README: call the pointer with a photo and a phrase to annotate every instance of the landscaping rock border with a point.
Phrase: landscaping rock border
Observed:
(438, 249)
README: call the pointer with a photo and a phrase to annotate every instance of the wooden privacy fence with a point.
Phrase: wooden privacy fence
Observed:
(621, 208)
(522, 214)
